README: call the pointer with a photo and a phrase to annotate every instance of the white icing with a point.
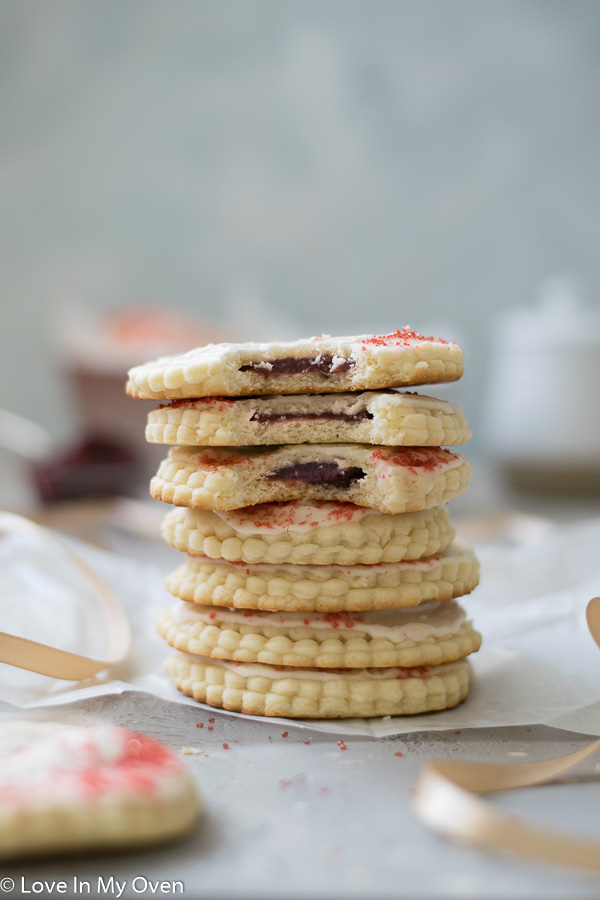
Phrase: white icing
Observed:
(339, 347)
(458, 552)
(33, 752)
(344, 402)
(276, 518)
(397, 625)
(248, 670)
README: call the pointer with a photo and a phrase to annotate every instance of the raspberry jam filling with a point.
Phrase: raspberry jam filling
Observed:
(329, 473)
(325, 415)
(323, 364)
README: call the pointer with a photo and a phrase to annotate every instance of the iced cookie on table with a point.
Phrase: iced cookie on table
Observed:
(280, 586)
(391, 479)
(370, 417)
(430, 634)
(312, 366)
(314, 532)
(67, 788)
(316, 693)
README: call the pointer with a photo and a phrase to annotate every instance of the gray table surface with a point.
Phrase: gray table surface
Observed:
(291, 815)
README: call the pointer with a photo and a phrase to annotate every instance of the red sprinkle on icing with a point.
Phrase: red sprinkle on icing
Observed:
(199, 724)
(398, 338)
(341, 745)
(457, 732)
(212, 615)
(348, 620)
(211, 720)
(285, 734)
(398, 753)
(212, 459)
(283, 514)
(286, 782)
(210, 728)
(225, 746)
(307, 742)
(424, 458)
(142, 763)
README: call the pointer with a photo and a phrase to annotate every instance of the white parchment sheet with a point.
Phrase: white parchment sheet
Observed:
(538, 663)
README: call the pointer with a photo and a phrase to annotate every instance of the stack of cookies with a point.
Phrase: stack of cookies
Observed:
(320, 570)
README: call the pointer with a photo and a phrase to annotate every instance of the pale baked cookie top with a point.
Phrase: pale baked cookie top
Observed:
(313, 366)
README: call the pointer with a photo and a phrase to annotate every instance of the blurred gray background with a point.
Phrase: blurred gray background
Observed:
(290, 168)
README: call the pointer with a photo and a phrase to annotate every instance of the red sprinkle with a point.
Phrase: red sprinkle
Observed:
(286, 782)
(427, 458)
(398, 753)
(199, 724)
(341, 745)
(400, 337)
(285, 734)
(210, 728)
(457, 732)
(225, 746)
(307, 742)
(211, 721)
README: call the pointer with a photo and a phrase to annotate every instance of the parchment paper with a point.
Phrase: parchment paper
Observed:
(538, 663)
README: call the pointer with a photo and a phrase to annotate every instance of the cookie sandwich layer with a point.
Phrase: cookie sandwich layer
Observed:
(430, 634)
(452, 573)
(371, 417)
(263, 690)
(313, 366)
(391, 479)
(317, 532)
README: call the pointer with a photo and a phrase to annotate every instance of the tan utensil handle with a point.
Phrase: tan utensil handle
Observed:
(49, 660)
(446, 799)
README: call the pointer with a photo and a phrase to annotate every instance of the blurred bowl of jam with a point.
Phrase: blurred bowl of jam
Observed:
(108, 453)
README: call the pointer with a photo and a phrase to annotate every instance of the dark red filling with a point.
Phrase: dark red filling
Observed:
(329, 473)
(292, 365)
(326, 414)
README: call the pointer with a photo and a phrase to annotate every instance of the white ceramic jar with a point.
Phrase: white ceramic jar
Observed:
(542, 406)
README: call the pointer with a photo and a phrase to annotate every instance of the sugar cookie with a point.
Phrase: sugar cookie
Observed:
(317, 533)
(429, 634)
(308, 693)
(65, 788)
(217, 582)
(392, 479)
(391, 418)
(311, 366)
